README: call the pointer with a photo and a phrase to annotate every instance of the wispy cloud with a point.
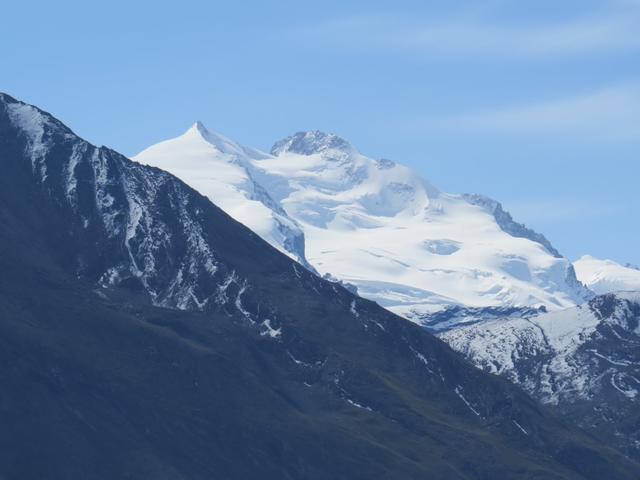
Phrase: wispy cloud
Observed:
(474, 34)
(609, 113)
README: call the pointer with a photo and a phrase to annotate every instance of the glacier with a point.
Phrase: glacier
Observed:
(374, 224)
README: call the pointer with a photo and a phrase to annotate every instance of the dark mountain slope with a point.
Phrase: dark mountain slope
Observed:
(247, 366)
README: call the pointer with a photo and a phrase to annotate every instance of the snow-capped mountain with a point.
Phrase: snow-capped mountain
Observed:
(230, 182)
(376, 224)
(585, 361)
(147, 334)
(606, 276)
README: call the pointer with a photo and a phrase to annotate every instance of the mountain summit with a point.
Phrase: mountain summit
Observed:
(308, 143)
(231, 181)
(379, 226)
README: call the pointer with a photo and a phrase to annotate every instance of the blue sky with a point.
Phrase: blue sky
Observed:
(536, 104)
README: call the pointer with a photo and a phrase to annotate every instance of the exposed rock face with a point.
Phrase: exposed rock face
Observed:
(585, 361)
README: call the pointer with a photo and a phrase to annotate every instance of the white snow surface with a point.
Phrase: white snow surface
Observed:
(372, 223)
(223, 171)
(606, 276)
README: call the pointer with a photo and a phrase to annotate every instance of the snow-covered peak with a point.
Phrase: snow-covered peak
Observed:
(309, 143)
(376, 224)
(199, 134)
(199, 126)
(380, 226)
(222, 170)
(606, 276)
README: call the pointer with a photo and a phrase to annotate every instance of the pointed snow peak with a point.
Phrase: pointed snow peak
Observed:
(309, 143)
(199, 127)
(218, 141)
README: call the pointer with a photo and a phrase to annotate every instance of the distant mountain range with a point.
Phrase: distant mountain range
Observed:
(374, 224)
(147, 334)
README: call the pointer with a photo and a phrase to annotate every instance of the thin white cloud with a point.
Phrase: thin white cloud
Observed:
(477, 35)
(610, 113)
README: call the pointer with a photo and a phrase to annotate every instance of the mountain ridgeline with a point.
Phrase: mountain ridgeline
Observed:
(375, 224)
(146, 334)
